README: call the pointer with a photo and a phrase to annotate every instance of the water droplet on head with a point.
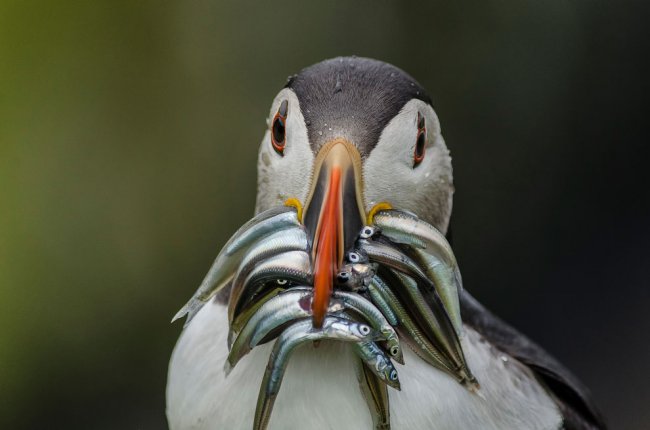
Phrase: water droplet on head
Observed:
(320, 133)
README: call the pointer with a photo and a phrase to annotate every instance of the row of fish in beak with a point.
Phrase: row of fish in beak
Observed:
(401, 278)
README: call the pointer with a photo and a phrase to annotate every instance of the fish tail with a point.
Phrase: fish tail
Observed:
(231, 338)
(263, 411)
(190, 309)
(227, 368)
(182, 312)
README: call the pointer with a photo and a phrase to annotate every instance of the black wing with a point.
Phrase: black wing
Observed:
(573, 398)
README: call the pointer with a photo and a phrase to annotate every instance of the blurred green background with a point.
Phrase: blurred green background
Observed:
(128, 140)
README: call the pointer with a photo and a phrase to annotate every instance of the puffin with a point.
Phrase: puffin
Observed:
(375, 125)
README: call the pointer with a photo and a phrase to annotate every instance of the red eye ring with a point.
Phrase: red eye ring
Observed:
(278, 129)
(420, 142)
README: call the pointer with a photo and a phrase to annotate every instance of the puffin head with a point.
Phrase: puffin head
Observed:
(347, 136)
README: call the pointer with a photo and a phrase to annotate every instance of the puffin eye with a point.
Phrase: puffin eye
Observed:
(278, 128)
(420, 141)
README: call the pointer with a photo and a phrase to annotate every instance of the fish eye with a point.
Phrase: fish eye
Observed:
(420, 141)
(364, 329)
(393, 375)
(367, 232)
(394, 351)
(278, 128)
(281, 281)
(354, 257)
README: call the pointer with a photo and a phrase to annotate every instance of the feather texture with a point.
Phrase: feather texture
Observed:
(326, 395)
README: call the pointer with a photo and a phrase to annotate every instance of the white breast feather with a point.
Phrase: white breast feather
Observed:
(320, 389)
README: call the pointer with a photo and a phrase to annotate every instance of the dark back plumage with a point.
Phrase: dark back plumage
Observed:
(352, 97)
(574, 400)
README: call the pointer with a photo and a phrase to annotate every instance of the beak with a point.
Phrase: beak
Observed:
(333, 216)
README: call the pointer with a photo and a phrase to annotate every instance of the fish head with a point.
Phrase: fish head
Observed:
(355, 276)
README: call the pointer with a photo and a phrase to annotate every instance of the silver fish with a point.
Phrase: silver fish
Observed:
(224, 266)
(293, 239)
(412, 334)
(437, 322)
(376, 394)
(292, 266)
(405, 227)
(377, 361)
(333, 328)
(355, 276)
(403, 265)
(289, 305)
(358, 278)
(410, 274)
(246, 314)
(432, 249)
(391, 256)
(287, 302)
(365, 308)
(266, 222)
(447, 284)
(378, 299)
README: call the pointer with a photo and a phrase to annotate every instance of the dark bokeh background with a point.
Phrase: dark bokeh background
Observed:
(128, 140)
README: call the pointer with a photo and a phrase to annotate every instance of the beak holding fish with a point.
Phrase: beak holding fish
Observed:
(334, 272)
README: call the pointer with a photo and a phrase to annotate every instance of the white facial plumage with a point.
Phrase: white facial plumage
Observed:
(388, 170)
(390, 175)
(280, 177)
